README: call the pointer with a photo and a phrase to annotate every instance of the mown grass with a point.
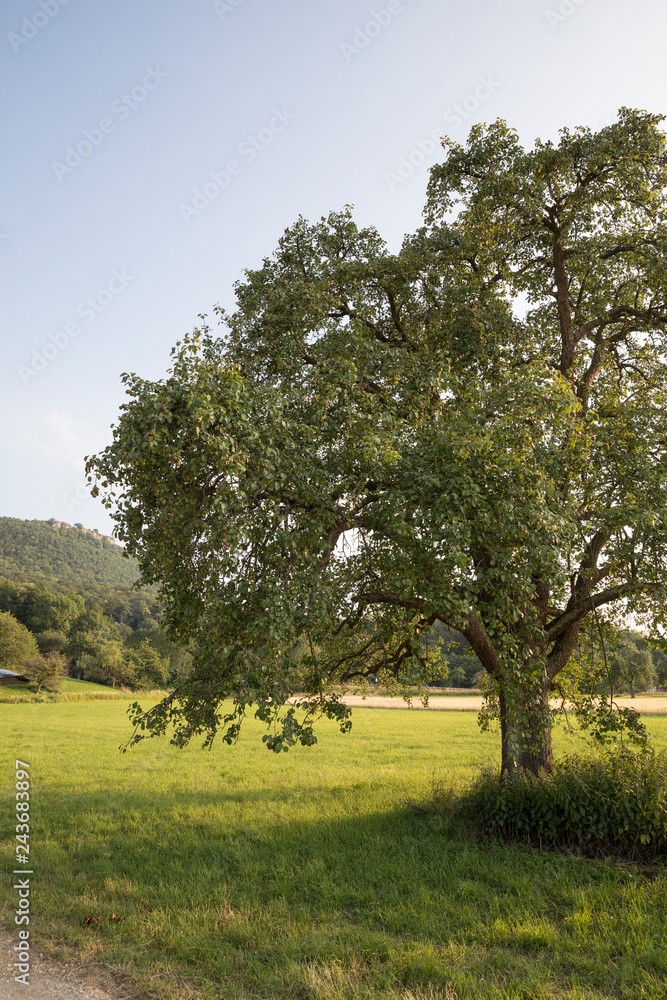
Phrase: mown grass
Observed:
(314, 875)
(74, 686)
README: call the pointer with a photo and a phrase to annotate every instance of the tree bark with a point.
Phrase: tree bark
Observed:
(535, 753)
(507, 739)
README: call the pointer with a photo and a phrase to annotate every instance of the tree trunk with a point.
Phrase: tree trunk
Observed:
(535, 753)
(508, 740)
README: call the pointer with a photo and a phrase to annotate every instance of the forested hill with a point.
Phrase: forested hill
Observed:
(64, 556)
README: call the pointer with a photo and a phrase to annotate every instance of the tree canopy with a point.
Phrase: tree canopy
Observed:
(470, 431)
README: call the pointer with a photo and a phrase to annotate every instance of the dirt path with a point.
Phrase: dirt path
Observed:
(51, 980)
(473, 703)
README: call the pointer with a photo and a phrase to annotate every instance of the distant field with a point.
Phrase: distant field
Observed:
(650, 704)
(314, 875)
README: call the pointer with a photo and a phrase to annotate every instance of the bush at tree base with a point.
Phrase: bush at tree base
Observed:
(610, 805)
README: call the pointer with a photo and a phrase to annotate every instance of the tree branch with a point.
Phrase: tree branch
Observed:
(479, 639)
(574, 614)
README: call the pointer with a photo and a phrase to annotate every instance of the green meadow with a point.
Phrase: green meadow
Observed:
(319, 874)
(70, 690)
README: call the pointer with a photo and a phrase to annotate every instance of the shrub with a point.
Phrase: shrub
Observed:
(597, 805)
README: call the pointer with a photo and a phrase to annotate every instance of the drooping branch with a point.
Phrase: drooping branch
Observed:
(386, 597)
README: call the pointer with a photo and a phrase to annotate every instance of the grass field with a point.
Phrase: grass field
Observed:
(72, 686)
(70, 690)
(313, 875)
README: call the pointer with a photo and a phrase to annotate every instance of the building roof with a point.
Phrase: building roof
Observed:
(9, 677)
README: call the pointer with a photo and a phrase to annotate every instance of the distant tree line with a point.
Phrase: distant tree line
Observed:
(116, 639)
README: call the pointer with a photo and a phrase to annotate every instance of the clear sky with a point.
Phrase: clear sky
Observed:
(152, 150)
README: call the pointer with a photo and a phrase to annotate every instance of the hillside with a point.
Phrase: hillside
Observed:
(66, 556)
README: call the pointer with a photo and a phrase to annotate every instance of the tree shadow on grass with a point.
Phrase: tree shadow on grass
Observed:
(246, 884)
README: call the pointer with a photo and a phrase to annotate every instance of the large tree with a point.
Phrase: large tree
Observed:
(471, 431)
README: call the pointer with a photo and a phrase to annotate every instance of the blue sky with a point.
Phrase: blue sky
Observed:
(153, 150)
